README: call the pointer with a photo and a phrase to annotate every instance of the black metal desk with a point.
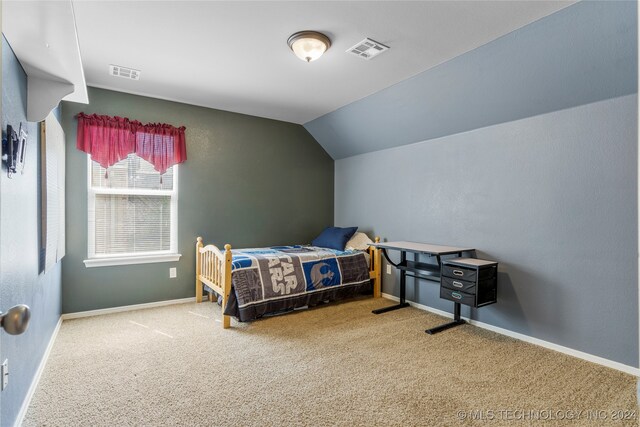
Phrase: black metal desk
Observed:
(420, 270)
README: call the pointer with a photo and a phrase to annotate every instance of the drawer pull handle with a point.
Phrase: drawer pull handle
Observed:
(456, 295)
(457, 284)
(458, 272)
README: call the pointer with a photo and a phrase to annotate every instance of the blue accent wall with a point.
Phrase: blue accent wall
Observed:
(552, 198)
(20, 282)
(526, 149)
(584, 53)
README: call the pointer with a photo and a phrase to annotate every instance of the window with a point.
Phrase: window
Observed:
(132, 213)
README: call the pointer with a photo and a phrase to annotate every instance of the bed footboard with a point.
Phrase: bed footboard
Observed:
(213, 268)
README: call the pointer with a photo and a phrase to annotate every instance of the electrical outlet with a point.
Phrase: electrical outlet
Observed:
(4, 371)
(173, 273)
(388, 268)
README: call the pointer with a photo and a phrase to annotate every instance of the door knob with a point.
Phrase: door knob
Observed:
(16, 320)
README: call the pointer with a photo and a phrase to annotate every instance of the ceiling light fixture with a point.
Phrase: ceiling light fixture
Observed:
(309, 45)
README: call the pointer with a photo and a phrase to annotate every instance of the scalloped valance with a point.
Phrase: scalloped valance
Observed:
(111, 139)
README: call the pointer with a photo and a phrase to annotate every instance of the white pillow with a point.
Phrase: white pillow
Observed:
(358, 242)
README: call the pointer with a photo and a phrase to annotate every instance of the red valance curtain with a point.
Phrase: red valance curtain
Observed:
(111, 139)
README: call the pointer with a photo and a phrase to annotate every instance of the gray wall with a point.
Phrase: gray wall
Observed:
(552, 198)
(248, 181)
(526, 149)
(584, 53)
(20, 282)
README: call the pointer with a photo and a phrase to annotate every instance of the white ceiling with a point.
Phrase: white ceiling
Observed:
(232, 55)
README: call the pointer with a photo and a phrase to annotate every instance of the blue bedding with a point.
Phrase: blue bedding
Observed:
(281, 278)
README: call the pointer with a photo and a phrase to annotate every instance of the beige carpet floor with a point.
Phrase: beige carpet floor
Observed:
(334, 365)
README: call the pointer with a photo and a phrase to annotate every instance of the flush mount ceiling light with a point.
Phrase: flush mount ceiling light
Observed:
(309, 45)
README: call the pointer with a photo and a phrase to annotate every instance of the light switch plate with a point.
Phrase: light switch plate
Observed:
(388, 269)
(4, 371)
(173, 273)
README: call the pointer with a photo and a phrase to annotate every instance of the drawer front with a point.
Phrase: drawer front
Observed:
(457, 296)
(461, 273)
(459, 285)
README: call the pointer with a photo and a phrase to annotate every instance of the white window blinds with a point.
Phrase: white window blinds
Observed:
(132, 209)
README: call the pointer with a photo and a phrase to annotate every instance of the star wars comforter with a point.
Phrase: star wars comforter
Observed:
(283, 278)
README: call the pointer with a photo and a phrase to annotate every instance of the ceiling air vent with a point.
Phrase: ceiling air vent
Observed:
(367, 49)
(124, 72)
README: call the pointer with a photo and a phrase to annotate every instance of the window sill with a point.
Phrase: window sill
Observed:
(130, 260)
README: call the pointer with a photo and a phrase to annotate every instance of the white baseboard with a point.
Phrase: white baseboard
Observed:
(68, 316)
(36, 378)
(566, 350)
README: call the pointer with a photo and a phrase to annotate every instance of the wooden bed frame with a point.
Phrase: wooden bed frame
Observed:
(213, 268)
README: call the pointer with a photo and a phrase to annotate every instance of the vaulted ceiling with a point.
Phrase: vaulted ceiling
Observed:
(582, 54)
(233, 55)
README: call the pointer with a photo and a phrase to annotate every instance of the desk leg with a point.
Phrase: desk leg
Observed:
(403, 289)
(456, 321)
